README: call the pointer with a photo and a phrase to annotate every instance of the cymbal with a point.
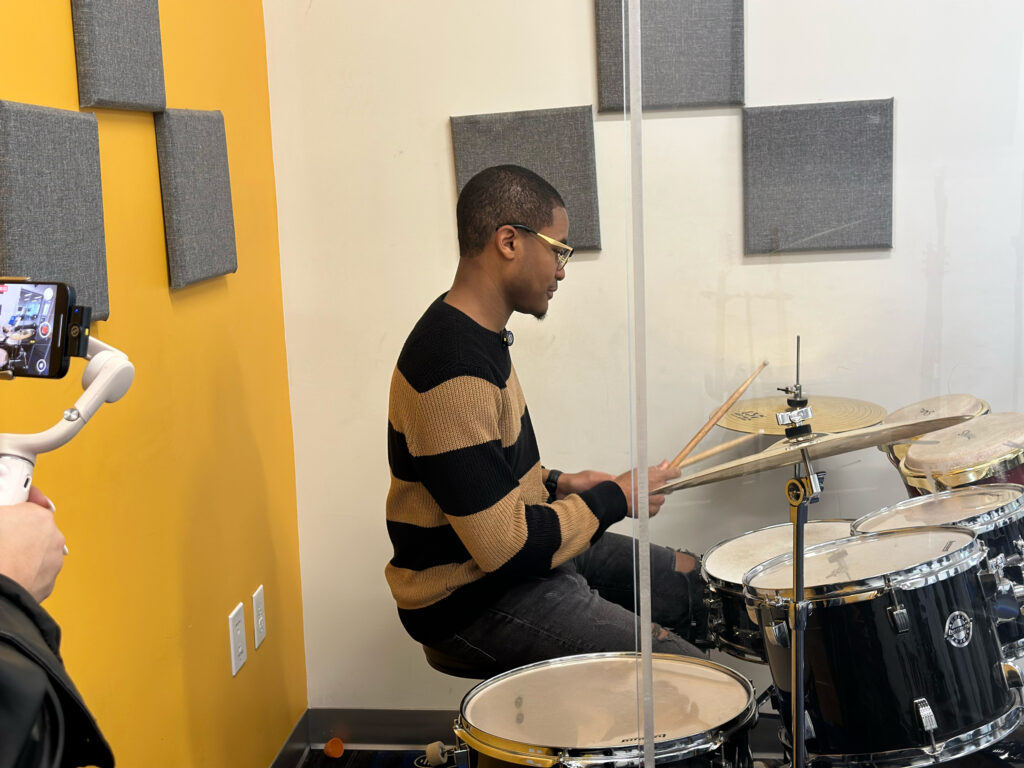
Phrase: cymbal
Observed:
(819, 446)
(831, 414)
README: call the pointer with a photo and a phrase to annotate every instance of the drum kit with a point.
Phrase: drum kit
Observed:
(893, 640)
(12, 344)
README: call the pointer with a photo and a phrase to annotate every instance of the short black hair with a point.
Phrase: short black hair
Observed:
(502, 194)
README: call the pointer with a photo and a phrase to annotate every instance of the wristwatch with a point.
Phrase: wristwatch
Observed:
(551, 483)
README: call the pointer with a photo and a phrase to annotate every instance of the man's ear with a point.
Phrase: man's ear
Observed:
(505, 241)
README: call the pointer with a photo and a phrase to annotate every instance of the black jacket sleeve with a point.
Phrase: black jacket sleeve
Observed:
(43, 719)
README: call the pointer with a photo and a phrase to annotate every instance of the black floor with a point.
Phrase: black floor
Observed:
(764, 745)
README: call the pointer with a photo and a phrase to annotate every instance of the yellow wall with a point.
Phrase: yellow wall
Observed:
(178, 501)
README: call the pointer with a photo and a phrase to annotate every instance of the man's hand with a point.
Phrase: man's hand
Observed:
(31, 545)
(657, 476)
(578, 482)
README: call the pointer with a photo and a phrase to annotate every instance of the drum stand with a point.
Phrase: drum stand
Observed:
(106, 378)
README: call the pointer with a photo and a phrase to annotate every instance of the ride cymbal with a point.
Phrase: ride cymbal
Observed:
(831, 414)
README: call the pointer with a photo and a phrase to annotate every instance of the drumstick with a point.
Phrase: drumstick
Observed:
(715, 417)
(717, 449)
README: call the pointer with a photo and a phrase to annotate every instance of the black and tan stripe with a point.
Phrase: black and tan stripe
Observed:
(467, 511)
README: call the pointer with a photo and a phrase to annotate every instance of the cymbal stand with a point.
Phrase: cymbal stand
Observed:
(801, 491)
(106, 378)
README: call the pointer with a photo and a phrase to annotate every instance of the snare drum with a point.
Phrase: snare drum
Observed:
(932, 408)
(723, 567)
(902, 663)
(582, 711)
(996, 515)
(988, 449)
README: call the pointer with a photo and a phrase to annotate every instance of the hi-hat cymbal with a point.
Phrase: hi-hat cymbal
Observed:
(831, 414)
(789, 450)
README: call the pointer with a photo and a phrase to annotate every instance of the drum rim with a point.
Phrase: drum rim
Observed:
(534, 754)
(718, 583)
(960, 745)
(962, 476)
(953, 477)
(981, 523)
(985, 409)
(928, 572)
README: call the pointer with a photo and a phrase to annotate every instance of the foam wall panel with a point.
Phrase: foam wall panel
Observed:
(691, 53)
(51, 200)
(118, 54)
(199, 224)
(818, 177)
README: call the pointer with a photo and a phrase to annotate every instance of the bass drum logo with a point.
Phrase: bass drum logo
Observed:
(959, 628)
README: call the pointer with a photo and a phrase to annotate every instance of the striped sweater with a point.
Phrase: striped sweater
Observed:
(467, 511)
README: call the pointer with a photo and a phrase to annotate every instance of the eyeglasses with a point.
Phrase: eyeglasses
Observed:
(562, 251)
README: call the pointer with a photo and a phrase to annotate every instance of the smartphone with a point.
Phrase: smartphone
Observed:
(36, 333)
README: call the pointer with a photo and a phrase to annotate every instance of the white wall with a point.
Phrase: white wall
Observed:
(360, 100)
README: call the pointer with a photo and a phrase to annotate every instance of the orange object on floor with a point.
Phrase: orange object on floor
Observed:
(334, 748)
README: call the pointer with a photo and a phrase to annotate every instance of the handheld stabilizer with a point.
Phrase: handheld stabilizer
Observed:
(107, 377)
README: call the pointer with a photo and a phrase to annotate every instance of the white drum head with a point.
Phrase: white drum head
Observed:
(730, 560)
(590, 701)
(971, 444)
(935, 407)
(863, 557)
(946, 508)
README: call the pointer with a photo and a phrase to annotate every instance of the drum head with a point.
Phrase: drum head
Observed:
(727, 561)
(975, 443)
(943, 405)
(590, 701)
(845, 564)
(979, 507)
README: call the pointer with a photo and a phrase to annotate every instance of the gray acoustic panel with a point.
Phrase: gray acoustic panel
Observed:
(118, 53)
(51, 200)
(818, 177)
(691, 53)
(199, 225)
(558, 144)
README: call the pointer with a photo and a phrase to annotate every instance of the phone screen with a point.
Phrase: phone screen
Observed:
(33, 326)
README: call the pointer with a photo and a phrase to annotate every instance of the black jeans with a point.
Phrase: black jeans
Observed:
(586, 606)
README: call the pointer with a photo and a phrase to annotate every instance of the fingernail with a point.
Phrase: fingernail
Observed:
(66, 549)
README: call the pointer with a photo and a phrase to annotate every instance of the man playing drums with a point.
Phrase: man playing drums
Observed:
(499, 562)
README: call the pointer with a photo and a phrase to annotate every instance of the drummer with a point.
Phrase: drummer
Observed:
(499, 562)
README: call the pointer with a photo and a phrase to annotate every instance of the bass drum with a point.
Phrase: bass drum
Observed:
(582, 711)
(902, 663)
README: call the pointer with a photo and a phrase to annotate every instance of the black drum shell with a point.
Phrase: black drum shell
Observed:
(732, 630)
(1002, 540)
(1004, 537)
(862, 676)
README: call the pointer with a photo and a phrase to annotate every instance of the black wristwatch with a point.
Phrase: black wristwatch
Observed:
(551, 483)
